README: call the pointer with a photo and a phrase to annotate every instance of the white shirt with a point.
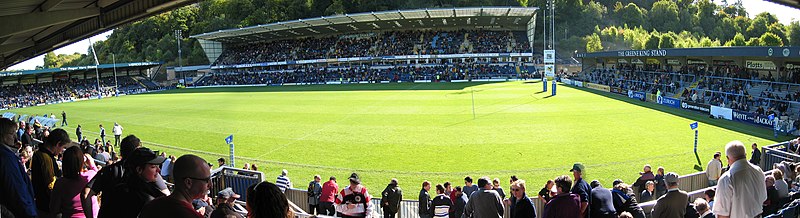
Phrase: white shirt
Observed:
(165, 167)
(714, 169)
(117, 130)
(740, 191)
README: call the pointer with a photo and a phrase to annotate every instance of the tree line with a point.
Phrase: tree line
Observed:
(581, 25)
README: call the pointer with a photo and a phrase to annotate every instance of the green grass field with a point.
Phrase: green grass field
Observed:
(416, 132)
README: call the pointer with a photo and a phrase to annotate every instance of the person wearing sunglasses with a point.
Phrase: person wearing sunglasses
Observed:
(523, 207)
(192, 181)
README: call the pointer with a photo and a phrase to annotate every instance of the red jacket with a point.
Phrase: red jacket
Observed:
(329, 190)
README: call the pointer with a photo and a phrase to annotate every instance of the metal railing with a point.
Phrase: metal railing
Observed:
(775, 153)
(237, 179)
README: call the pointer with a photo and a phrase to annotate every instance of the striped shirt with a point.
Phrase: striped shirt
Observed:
(283, 183)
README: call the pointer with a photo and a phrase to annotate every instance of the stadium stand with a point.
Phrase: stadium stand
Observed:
(26, 95)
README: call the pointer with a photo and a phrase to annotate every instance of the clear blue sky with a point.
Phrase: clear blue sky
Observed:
(784, 14)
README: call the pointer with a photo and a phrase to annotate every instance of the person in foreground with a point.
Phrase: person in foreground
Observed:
(740, 190)
(192, 181)
(266, 200)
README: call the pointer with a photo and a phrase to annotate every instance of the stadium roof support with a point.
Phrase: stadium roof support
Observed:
(29, 28)
(485, 17)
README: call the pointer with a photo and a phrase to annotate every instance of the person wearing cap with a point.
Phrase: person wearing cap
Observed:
(485, 202)
(108, 178)
(581, 188)
(128, 198)
(326, 198)
(714, 169)
(354, 201)
(390, 202)
(15, 185)
(225, 199)
(283, 181)
(672, 204)
(45, 170)
(741, 190)
(192, 181)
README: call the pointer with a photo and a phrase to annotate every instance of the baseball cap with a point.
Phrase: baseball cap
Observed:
(577, 166)
(144, 156)
(671, 177)
(354, 178)
(227, 193)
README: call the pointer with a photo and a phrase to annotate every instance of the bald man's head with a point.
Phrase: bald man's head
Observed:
(192, 175)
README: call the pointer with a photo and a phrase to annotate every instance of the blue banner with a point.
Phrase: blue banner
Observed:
(229, 139)
(669, 101)
(693, 125)
(752, 118)
(637, 95)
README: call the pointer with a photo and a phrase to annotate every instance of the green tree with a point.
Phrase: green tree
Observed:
(770, 39)
(737, 40)
(665, 12)
(593, 43)
(758, 27)
(632, 15)
(793, 33)
(667, 40)
(652, 42)
(754, 41)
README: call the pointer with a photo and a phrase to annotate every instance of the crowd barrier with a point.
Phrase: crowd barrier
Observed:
(775, 153)
(237, 179)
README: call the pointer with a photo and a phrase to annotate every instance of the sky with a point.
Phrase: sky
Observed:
(754, 7)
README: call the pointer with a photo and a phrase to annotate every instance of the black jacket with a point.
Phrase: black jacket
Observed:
(391, 197)
(128, 198)
(523, 208)
(458, 207)
(424, 204)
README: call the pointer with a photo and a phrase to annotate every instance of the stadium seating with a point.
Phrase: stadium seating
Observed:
(377, 44)
(25, 95)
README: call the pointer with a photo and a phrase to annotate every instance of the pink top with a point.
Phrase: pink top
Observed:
(66, 196)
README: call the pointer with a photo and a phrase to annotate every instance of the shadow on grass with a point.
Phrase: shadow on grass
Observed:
(332, 88)
(698, 166)
(739, 127)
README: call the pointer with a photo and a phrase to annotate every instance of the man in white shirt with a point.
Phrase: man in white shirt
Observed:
(117, 133)
(714, 169)
(740, 191)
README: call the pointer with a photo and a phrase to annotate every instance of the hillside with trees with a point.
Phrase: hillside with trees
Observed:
(581, 25)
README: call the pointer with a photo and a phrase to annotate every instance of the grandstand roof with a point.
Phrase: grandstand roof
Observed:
(135, 65)
(33, 27)
(502, 17)
(790, 3)
(765, 52)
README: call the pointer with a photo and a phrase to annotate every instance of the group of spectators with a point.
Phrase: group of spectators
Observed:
(312, 75)
(377, 44)
(25, 95)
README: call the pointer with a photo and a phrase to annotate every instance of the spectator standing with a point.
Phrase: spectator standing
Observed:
(755, 156)
(661, 185)
(15, 183)
(79, 133)
(45, 170)
(21, 129)
(523, 207)
(459, 203)
(64, 121)
(564, 204)
(117, 130)
(496, 187)
(645, 176)
(354, 201)
(546, 193)
(425, 201)
(673, 204)
(102, 155)
(192, 181)
(283, 181)
(220, 162)
(625, 200)
(708, 195)
(390, 202)
(448, 189)
(27, 137)
(102, 133)
(440, 205)
(469, 188)
(714, 170)
(485, 202)
(741, 190)
(108, 178)
(66, 196)
(647, 193)
(314, 190)
(266, 200)
(138, 187)
(225, 200)
(602, 202)
(581, 188)
(327, 197)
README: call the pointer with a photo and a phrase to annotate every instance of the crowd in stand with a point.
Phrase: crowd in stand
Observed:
(25, 95)
(377, 44)
(310, 75)
(58, 177)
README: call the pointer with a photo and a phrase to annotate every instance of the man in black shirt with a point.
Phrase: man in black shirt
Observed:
(755, 157)
(108, 178)
(64, 119)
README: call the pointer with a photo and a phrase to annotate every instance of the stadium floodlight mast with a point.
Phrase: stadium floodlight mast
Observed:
(116, 85)
(96, 68)
(178, 34)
